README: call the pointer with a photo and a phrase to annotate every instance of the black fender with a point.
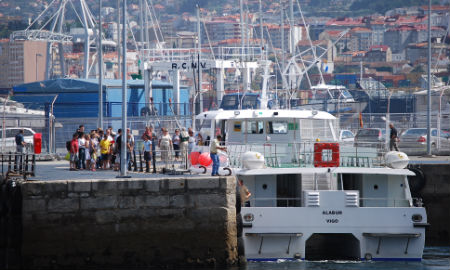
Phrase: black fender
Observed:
(240, 247)
(204, 169)
(239, 225)
(238, 201)
(418, 181)
(228, 170)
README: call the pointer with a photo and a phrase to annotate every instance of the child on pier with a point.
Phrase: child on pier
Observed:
(105, 150)
(147, 152)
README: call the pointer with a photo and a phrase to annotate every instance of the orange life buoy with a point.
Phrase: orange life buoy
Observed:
(318, 153)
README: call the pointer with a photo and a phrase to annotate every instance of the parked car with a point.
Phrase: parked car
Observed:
(9, 143)
(346, 136)
(416, 138)
(370, 137)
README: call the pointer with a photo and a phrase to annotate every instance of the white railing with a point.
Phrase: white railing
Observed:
(289, 155)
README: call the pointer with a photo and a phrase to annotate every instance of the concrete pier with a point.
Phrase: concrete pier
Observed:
(137, 222)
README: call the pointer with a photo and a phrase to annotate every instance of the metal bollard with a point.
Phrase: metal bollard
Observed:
(26, 164)
(33, 165)
(134, 161)
(140, 161)
(154, 161)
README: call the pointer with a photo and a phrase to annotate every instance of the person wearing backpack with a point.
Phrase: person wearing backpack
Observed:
(184, 141)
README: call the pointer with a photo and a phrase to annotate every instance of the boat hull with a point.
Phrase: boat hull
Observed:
(351, 233)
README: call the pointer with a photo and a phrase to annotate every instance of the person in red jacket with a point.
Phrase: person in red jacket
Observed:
(74, 152)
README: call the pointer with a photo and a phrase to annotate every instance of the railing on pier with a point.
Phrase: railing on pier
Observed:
(18, 165)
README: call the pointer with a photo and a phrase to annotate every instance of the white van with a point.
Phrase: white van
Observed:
(9, 143)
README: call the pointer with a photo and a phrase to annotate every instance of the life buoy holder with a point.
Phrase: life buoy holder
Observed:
(318, 154)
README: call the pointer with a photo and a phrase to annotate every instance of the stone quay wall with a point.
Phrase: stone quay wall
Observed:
(436, 200)
(129, 222)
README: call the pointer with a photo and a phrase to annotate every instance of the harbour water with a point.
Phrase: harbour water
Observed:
(434, 258)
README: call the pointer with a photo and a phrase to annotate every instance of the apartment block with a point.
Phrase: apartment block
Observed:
(22, 61)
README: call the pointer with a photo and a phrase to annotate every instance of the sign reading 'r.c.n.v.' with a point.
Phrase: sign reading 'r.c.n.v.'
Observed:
(188, 65)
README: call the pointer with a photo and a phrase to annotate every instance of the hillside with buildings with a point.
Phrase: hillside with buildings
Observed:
(389, 45)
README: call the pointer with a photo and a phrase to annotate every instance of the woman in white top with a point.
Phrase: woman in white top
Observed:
(165, 145)
(87, 154)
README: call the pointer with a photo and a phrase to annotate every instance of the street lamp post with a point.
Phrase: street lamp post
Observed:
(38, 54)
(123, 150)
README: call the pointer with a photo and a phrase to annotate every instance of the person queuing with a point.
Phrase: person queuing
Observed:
(81, 150)
(184, 141)
(130, 148)
(165, 145)
(74, 152)
(147, 148)
(105, 150)
(191, 140)
(176, 140)
(118, 149)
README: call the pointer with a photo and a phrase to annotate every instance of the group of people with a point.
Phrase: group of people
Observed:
(98, 149)
(101, 149)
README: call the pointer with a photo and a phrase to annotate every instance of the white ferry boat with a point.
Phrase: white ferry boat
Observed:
(313, 199)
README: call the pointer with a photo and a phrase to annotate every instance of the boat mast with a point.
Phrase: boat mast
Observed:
(199, 67)
(283, 59)
(118, 39)
(261, 29)
(100, 68)
(291, 26)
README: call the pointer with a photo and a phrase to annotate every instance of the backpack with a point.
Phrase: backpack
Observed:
(68, 145)
(184, 137)
(19, 139)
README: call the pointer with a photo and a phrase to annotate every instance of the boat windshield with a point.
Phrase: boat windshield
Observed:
(231, 102)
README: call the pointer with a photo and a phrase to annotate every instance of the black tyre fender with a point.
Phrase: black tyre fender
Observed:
(204, 169)
(228, 170)
(240, 247)
(238, 201)
(418, 181)
(239, 225)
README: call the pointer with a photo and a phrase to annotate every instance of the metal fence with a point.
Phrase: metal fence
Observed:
(56, 131)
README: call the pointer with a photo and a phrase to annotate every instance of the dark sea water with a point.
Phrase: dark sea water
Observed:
(434, 258)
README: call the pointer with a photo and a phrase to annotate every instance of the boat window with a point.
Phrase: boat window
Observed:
(206, 123)
(230, 101)
(315, 129)
(346, 94)
(277, 127)
(322, 94)
(255, 127)
(250, 102)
